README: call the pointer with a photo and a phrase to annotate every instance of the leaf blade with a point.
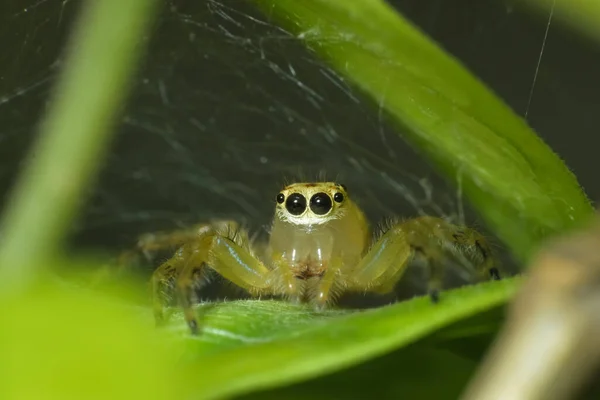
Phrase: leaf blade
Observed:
(303, 351)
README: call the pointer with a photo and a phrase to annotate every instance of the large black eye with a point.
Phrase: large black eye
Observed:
(280, 198)
(320, 203)
(295, 204)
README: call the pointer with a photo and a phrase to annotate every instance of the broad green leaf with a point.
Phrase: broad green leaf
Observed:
(520, 187)
(260, 344)
(75, 344)
(57, 343)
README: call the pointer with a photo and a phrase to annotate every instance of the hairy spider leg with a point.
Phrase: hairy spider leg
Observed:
(474, 246)
(387, 259)
(331, 280)
(164, 277)
(156, 241)
(150, 243)
(228, 255)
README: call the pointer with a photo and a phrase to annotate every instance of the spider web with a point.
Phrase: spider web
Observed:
(225, 109)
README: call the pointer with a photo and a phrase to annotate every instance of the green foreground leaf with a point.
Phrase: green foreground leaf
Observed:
(519, 186)
(76, 344)
(262, 344)
(58, 343)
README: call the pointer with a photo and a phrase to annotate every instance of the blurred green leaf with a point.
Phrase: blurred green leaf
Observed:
(74, 135)
(580, 15)
(59, 343)
(78, 344)
(520, 187)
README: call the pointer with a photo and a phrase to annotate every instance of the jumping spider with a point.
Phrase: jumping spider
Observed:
(320, 246)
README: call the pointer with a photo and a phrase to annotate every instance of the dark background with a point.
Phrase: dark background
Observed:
(227, 106)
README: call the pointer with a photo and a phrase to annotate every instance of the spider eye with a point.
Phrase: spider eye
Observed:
(280, 198)
(320, 203)
(295, 204)
(338, 197)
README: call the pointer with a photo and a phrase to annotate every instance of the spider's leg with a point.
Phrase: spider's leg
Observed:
(472, 245)
(385, 262)
(331, 280)
(283, 280)
(148, 244)
(429, 238)
(231, 257)
(151, 242)
(162, 284)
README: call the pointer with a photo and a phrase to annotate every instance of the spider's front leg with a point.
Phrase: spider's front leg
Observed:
(150, 243)
(147, 246)
(226, 253)
(432, 239)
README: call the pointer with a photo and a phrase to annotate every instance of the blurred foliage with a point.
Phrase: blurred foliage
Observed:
(582, 16)
(408, 373)
(271, 343)
(73, 342)
(73, 136)
(61, 342)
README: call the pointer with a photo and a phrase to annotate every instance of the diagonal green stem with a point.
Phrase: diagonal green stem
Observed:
(73, 136)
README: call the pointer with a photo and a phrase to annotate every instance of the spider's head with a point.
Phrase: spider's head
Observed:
(312, 203)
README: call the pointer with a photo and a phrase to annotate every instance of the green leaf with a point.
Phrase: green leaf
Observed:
(75, 343)
(60, 343)
(249, 345)
(521, 188)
